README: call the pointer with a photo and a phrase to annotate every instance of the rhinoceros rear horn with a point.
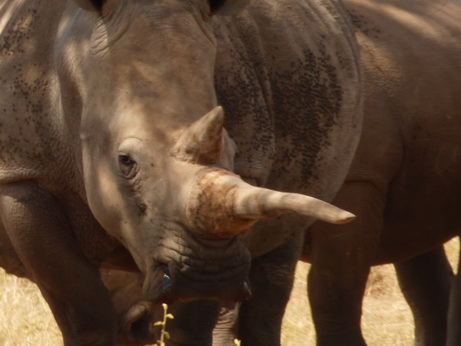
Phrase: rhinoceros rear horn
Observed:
(202, 142)
(223, 205)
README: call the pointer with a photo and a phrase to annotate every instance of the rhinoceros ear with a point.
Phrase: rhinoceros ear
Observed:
(227, 7)
(203, 141)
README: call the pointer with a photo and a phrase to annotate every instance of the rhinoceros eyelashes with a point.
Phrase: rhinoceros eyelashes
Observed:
(128, 167)
(128, 150)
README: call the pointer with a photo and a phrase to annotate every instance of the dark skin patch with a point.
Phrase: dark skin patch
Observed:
(360, 23)
(13, 40)
(314, 110)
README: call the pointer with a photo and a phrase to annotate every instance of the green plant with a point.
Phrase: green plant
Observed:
(164, 334)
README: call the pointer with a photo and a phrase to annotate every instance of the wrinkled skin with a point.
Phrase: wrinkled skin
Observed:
(404, 182)
(113, 151)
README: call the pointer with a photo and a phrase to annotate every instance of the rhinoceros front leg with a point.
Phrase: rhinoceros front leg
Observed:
(226, 328)
(341, 258)
(193, 323)
(42, 237)
(271, 279)
(425, 281)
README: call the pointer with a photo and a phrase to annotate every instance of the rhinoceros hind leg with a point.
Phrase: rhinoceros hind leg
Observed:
(43, 239)
(425, 282)
(341, 258)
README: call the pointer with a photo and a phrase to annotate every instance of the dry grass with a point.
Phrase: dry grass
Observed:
(386, 317)
(386, 320)
(25, 318)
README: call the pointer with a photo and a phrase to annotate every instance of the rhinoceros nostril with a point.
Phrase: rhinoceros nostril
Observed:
(166, 278)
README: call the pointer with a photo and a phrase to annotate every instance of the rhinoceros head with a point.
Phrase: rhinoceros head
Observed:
(156, 159)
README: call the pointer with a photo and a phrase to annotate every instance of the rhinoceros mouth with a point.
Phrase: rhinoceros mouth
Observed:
(136, 324)
(211, 273)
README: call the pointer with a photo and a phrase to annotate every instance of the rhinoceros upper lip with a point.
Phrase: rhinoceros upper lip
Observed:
(213, 243)
(186, 268)
(215, 260)
(175, 285)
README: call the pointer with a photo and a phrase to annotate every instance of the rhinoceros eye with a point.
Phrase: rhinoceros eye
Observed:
(127, 166)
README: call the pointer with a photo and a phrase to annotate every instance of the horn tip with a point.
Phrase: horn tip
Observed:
(216, 115)
(345, 217)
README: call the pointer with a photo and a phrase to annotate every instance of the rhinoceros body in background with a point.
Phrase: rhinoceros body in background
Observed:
(404, 183)
(112, 139)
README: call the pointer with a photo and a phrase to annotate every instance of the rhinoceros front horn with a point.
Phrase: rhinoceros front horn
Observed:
(222, 205)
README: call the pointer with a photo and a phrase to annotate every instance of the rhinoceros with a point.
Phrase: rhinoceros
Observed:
(115, 152)
(404, 184)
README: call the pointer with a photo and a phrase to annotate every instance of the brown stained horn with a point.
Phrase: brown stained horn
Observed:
(222, 205)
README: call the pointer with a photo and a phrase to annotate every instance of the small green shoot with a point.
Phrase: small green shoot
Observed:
(164, 334)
